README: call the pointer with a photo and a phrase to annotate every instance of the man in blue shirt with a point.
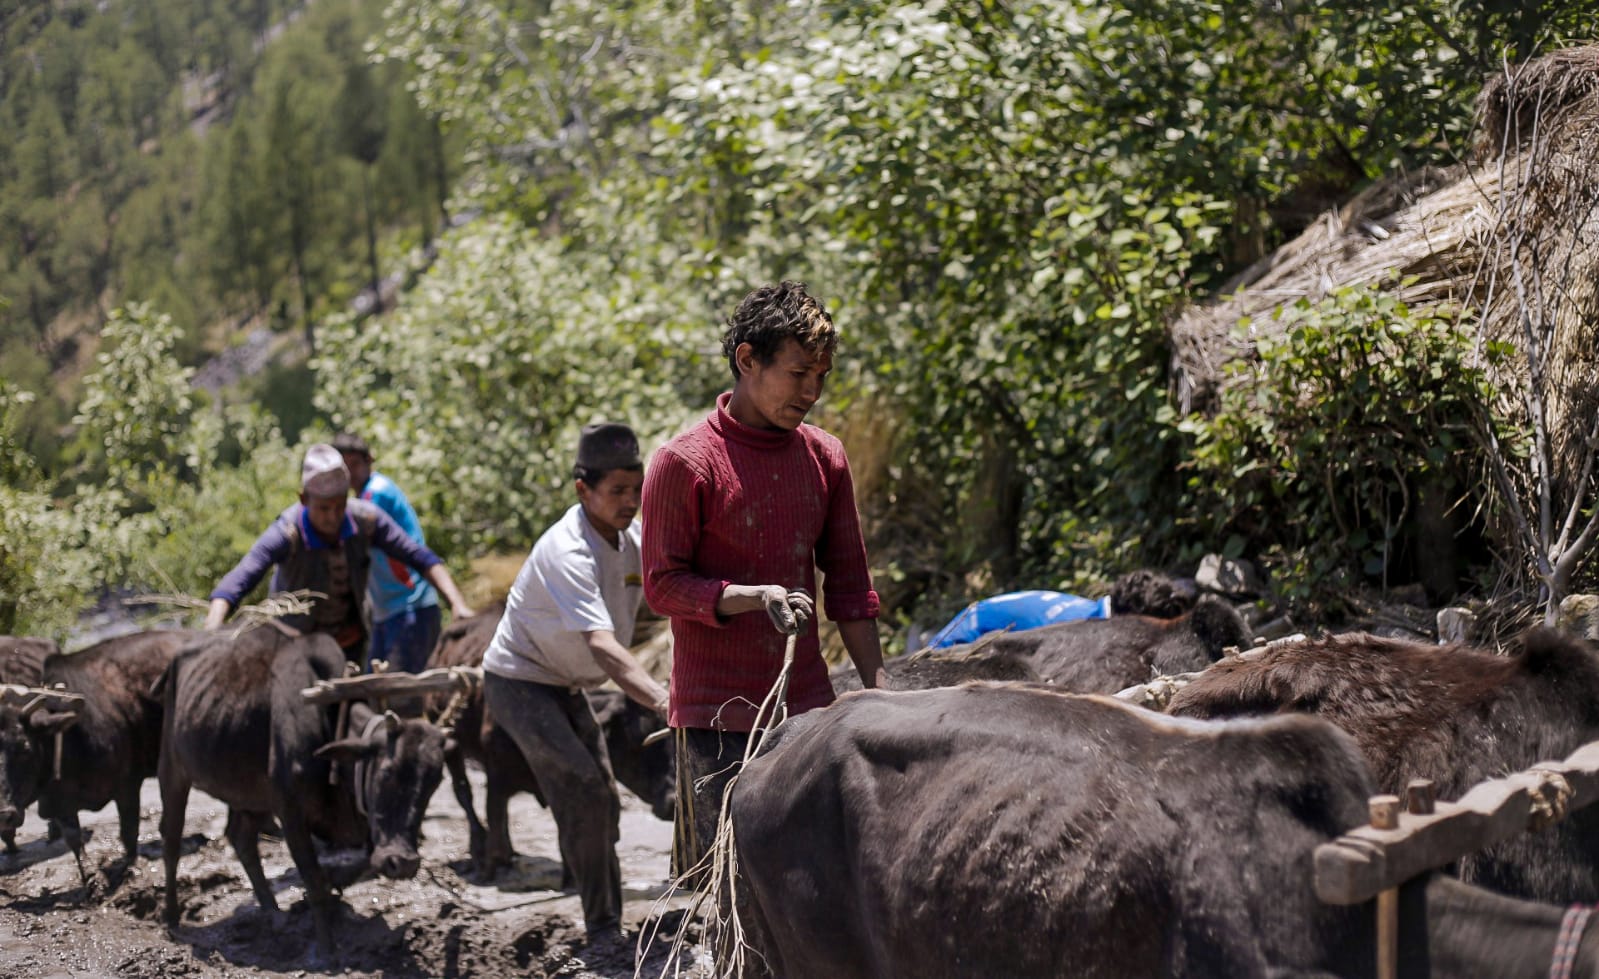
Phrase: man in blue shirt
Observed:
(404, 607)
(324, 544)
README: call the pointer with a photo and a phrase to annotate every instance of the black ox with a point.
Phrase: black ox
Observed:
(1012, 831)
(238, 728)
(108, 748)
(1452, 714)
(648, 770)
(22, 663)
(1087, 656)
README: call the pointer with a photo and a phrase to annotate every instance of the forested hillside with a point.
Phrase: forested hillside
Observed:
(218, 159)
(1004, 205)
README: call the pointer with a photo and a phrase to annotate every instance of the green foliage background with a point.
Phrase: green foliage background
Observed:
(1003, 204)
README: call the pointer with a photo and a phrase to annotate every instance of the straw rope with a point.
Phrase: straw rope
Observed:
(717, 869)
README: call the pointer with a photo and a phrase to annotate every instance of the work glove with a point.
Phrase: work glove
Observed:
(788, 610)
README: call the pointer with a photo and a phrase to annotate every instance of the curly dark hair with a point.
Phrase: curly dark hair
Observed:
(772, 314)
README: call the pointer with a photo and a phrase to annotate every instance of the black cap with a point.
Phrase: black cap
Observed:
(350, 442)
(607, 445)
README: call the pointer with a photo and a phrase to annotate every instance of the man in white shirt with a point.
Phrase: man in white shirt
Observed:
(567, 624)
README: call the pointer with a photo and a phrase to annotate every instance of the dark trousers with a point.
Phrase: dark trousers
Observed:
(563, 745)
(706, 762)
(406, 639)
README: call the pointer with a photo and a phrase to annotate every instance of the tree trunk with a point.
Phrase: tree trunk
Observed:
(371, 238)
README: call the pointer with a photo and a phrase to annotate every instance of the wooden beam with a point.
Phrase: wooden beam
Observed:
(15, 695)
(1366, 861)
(374, 686)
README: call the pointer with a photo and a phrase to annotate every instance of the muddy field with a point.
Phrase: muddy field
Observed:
(442, 923)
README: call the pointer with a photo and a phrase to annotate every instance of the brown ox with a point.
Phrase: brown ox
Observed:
(237, 727)
(1088, 656)
(1452, 714)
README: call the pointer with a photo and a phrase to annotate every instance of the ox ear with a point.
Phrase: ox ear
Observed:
(51, 722)
(349, 749)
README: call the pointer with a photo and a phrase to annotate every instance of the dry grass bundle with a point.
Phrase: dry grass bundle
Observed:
(1514, 104)
(1512, 241)
(491, 578)
(1418, 232)
(272, 608)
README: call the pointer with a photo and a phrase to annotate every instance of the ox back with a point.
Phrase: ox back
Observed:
(649, 772)
(1452, 714)
(1085, 656)
(994, 830)
(1107, 655)
(943, 670)
(110, 749)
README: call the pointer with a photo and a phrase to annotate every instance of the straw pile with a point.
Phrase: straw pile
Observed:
(1511, 240)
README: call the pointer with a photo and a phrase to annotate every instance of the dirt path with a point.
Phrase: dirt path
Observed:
(441, 924)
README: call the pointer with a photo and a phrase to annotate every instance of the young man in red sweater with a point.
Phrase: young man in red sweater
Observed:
(738, 514)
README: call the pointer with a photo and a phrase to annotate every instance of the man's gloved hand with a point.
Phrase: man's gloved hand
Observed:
(788, 610)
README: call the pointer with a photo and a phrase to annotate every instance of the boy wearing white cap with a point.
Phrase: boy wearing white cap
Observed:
(567, 624)
(323, 544)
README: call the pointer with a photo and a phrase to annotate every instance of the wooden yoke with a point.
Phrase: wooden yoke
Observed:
(1367, 861)
(381, 686)
(55, 699)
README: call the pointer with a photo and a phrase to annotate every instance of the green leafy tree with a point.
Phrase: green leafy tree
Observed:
(363, 121)
(292, 107)
(505, 351)
(136, 404)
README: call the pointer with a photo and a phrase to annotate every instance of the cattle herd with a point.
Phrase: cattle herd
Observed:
(996, 814)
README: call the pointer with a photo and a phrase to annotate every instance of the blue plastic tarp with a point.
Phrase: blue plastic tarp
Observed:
(1018, 610)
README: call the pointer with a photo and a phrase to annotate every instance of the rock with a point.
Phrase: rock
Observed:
(1456, 625)
(1580, 614)
(1233, 577)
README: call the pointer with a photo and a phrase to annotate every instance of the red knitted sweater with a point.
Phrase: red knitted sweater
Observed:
(724, 504)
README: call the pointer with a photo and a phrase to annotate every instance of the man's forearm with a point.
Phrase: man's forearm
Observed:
(217, 613)
(738, 599)
(439, 577)
(865, 651)
(620, 666)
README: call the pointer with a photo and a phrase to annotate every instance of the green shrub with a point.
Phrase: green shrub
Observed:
(1323, 440)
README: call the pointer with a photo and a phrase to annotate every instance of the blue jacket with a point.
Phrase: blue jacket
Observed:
(393, 588)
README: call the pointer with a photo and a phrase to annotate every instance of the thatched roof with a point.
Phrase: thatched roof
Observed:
(1515, 232)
